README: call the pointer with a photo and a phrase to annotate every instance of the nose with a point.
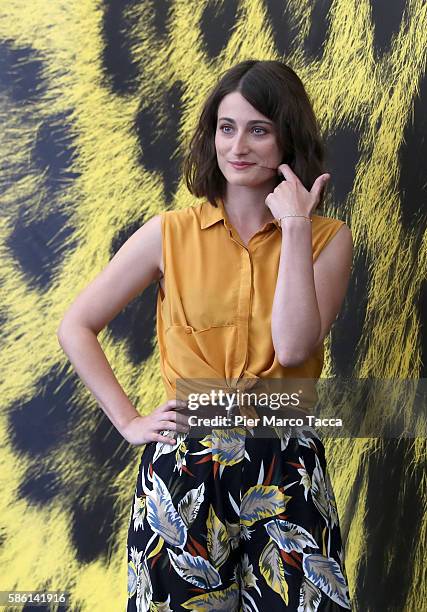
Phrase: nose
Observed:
(240, 146)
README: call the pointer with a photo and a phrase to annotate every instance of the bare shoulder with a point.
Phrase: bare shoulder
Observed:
(332, 271)
(339, 248)
(343, 238)
(343, 235)
(145, 247)
(151, 234)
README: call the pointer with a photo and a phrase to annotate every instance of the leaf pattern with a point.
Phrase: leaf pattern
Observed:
(289, 536)
(139, 511)
(226, 445)
(161, 606)
(161, 514)
(134, 570)
(233, 531)
(325, 573)
(261, 502)
(244, 574)
(217, 601)
(306, 436)
(217, 539)
(284, 432)
(157, 549)
(196, 570)
(319, 493)
(271, 567)
(323, 496)
(144, 590)
(305, 477)
(189, 505)
(195, 523)
(163, 448)
(310, 597)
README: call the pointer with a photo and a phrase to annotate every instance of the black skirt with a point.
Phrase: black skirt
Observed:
(229, 521)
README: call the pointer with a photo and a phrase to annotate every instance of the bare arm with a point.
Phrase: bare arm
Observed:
(308, 297)
(134, 267)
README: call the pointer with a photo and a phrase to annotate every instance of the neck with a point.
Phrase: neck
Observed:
(246, 207)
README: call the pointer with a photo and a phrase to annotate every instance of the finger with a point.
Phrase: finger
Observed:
(319, 185)
(174, 404)
(164, 439)
(173, 426)
(167, 405)
(174, 417)
(183, 421)
(164, 423)
(168, 431)
(180, 419)
(288, 172)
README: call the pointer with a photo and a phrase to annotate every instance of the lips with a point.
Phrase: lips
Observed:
(242, 164)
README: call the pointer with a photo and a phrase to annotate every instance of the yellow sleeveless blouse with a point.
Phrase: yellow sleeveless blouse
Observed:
(214, 320)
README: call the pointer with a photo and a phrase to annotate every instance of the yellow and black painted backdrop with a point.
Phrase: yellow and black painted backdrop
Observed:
(97, 101)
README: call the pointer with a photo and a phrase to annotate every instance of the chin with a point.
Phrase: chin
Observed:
(244, 182)
(239, 180)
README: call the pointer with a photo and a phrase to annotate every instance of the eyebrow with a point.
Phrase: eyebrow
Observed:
(249, 122)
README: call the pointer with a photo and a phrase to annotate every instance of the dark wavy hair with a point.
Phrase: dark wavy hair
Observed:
(276, 91)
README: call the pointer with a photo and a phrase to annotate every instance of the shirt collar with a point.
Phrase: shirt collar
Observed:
(210, 214)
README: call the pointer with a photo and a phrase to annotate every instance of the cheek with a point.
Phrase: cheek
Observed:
(273, 153)
(274, 148)
(219, 146)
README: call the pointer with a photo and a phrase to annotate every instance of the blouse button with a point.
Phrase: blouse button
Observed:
(187, 329)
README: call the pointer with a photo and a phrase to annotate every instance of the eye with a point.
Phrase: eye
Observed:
(263, 131)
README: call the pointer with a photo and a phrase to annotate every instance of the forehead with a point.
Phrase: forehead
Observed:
(236, 107)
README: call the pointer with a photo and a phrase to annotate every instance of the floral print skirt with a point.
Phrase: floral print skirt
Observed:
(230, 521)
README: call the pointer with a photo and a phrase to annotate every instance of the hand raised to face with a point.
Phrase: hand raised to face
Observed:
(290, 197)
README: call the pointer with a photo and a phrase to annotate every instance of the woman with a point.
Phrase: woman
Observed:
(250, 281)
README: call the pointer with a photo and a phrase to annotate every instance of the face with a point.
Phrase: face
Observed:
(244, 134)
